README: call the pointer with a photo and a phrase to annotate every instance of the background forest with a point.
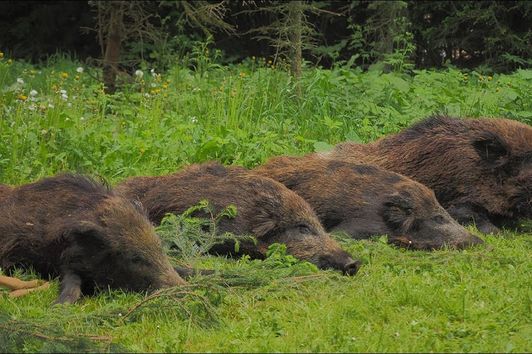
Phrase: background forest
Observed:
(495, 35)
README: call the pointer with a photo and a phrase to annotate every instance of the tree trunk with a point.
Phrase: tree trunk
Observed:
(113, 44)
(295, 22)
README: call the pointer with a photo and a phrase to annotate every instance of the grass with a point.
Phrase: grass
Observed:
(472, 300)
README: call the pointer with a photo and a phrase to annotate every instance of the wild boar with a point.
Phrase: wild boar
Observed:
(75, 228)
(480, 169)
(265, 209)
(365, 200)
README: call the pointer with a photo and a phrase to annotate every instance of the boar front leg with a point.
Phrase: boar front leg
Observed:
(70, 289)
(467, 215)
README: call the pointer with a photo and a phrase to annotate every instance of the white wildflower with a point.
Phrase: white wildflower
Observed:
(63, 92)
(153, 73)
(50, 105)
(64, 96)
(69, 104)
(33, 93)
(139, 74)
(20, 81)
(32, 107)
(153, 84)
(79, 69)
(193, 119)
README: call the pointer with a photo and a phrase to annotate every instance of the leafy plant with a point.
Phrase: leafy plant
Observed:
(189, 236)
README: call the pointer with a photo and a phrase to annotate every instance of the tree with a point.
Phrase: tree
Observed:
(126, 21)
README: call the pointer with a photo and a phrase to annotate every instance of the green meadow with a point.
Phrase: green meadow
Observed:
(55, 117)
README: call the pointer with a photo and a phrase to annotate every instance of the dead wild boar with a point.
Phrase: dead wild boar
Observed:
(365, 200)
(480, 169)
(265, 209)
(75, 228)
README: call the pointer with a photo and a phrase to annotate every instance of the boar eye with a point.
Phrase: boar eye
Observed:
(138, 260)
(304, 229)
(439, 219)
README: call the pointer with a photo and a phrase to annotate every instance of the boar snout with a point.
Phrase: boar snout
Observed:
(340, 261)
(469, 241)
(170, 278)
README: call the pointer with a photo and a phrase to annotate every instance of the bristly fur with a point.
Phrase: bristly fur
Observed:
(365, 200)
(76, 228)
(483, 164)
(264, 208)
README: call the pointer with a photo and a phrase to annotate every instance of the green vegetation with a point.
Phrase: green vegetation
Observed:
(472, 300)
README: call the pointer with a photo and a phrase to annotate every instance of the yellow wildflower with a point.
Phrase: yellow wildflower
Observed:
(165, 86)
(1, 55)
(242, 74)
(64, 75)
(22, 97)
(9, 61)
(490, 78)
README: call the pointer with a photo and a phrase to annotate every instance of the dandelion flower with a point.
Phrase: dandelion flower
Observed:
(9, 61)
(22, 97)
(79, 69)
(20, 81)
(64, 75)
(1, 55)
(33, 93)
(139, 74)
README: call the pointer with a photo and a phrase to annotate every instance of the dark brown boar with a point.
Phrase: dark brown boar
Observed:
(265, 209)
(365, 200)
(480, 169)
(72, 227)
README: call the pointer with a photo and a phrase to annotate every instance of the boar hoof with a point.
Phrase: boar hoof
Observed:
(70, 289)
(488, 228)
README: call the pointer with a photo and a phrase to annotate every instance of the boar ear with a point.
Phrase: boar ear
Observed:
(492, 149)
(88, 235)
(396, 210)
(264, 229)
